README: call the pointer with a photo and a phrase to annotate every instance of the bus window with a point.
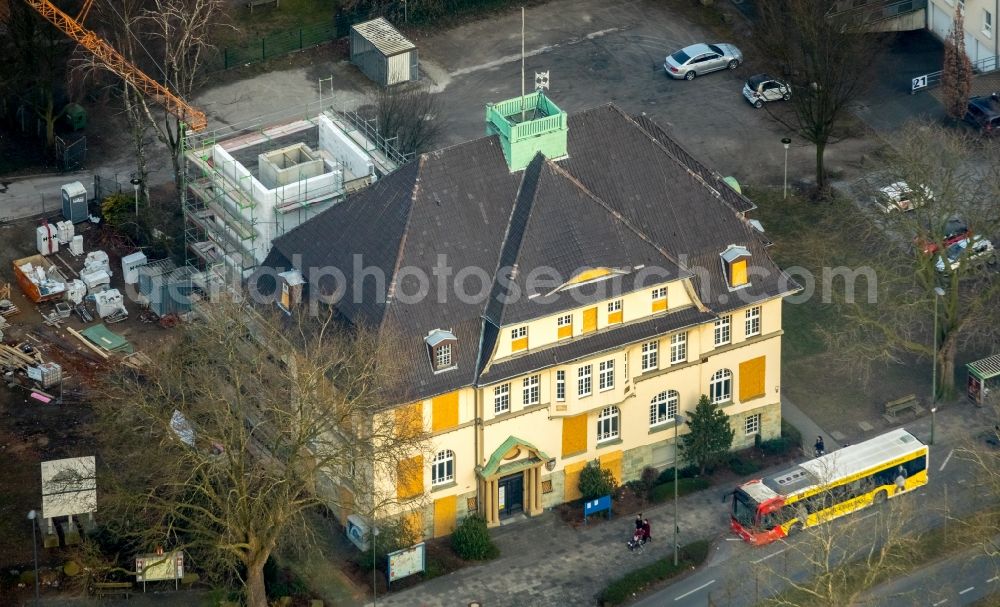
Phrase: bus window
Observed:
(916, 465)
(744, 509)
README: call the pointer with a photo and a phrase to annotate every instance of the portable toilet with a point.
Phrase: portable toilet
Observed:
(74, 202)
(47, 239)
(130, 267)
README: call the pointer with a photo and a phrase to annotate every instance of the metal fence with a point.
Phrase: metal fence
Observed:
(933, 79)
(299, 38)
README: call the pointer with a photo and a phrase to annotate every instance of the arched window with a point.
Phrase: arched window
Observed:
(443, 467)
(607, 424)
(720, 389)
(663, 407)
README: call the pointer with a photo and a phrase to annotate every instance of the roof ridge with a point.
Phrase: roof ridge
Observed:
(391, 285)
(533, 170)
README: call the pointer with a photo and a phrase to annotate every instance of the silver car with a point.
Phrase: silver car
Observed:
(698, 59)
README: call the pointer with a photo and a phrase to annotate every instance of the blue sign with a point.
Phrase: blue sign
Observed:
(595, 506)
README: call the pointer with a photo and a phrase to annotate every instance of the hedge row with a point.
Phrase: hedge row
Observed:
(685, 486)
(622, 589)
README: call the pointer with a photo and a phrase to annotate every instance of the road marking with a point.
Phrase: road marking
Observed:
(941, 602)
(993, 579)
(861, 518)
(769, 556)
(945, 462)
(732, 539)
(969, 589)
(702, 587)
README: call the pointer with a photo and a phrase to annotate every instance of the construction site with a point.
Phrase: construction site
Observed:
(246, 185)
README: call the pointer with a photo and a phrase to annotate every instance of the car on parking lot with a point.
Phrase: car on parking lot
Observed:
(900, 196)
(954, 230)
(762, 88)
(698, 59)
(983, 114)
(966, 250)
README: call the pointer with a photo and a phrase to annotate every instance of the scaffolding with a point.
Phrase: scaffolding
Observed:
(245, 185)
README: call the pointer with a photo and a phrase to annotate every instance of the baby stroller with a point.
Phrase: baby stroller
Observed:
(639, 539)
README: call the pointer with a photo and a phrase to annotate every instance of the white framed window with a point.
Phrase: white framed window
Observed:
(987, 23)
(442, 356)
(560, 385)
(607, 424)
(443, 467)
(752, 424)
(530, 390)
(663, 407)
(565, 321)
(583, 381)
(720, 388)
(678, 348)
(753, 321)
(519, 332)
(606, 375)
(650, 355)
(501, 398)
(722, 331)
(659, 293)
(615, 306)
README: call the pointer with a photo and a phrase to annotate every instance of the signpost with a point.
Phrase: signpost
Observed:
(406, 562)
(156, 567)
(595, 506)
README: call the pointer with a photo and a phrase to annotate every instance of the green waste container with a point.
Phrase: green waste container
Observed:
(76, 116)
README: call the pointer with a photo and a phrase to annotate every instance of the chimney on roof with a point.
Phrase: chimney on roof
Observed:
(526, 126)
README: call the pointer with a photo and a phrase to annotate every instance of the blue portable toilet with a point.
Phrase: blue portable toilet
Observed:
(74, 202)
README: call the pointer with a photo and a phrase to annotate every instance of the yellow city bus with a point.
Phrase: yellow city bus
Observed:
(829, 486)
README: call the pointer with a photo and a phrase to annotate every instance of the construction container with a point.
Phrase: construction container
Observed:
(51, 374)
(96, 260)
(383, 54)
(74, 202)
(96, 280)
(130, 267)
(47, 239)
(165, 288)
(65, 232)
(39, 279)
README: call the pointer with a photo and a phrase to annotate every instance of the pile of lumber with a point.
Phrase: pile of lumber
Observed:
(14, 357)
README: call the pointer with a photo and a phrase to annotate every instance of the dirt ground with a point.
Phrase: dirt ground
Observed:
(32, 432)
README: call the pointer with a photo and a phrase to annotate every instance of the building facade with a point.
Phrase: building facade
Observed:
(981, 42)
(559, 290)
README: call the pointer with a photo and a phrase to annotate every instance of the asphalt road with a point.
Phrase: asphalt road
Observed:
(739, 575)
(959, 580)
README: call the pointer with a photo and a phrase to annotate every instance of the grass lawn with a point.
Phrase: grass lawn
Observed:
(814, 236)
(290, 14)
(644, 578)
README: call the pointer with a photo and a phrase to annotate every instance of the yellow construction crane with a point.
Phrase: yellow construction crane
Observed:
(193, 118)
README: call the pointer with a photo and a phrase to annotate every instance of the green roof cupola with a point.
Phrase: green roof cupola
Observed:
(528, 125)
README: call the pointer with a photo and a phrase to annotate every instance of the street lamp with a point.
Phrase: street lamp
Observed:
(135, 186)
(678, 420)
(784, 189)
(938, 294)
(32, 515)
(933, 411)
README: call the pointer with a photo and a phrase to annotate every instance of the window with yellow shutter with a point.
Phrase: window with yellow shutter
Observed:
(589, 320)
(519, 339)
(659, 298)
(735, 260)
(410, 477)
(564, 326)
(752, 379)
(615, 312)
(574, 435)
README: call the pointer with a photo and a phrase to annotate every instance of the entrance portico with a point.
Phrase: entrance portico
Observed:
(511, 481)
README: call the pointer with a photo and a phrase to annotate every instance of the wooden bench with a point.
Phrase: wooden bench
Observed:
(894, 407)
(111, 588)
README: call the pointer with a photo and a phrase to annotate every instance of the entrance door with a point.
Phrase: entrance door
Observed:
(511, 497)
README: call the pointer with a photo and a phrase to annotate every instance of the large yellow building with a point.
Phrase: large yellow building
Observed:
(559, 291)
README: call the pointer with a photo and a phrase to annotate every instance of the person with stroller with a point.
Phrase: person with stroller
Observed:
(641, 535)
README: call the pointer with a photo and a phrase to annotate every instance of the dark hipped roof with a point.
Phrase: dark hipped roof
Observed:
(626, 196)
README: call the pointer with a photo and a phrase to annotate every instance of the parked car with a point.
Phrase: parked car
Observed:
(954, 230)
(701, 58)
(983, 114)
(900, 196)
(967, 249)
(761, 89)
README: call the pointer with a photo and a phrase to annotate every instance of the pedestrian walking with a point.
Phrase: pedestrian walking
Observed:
(819, 446)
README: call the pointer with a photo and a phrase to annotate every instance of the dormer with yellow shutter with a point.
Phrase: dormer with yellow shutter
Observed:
(735, 260)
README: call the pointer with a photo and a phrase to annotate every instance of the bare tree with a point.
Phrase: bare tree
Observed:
(937, 247)
(407, 115)
(956, 76)
(246, 424)
(827, 58)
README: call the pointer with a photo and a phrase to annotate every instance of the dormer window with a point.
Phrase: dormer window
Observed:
(519, 339)
(734, 263)
(441, 349)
